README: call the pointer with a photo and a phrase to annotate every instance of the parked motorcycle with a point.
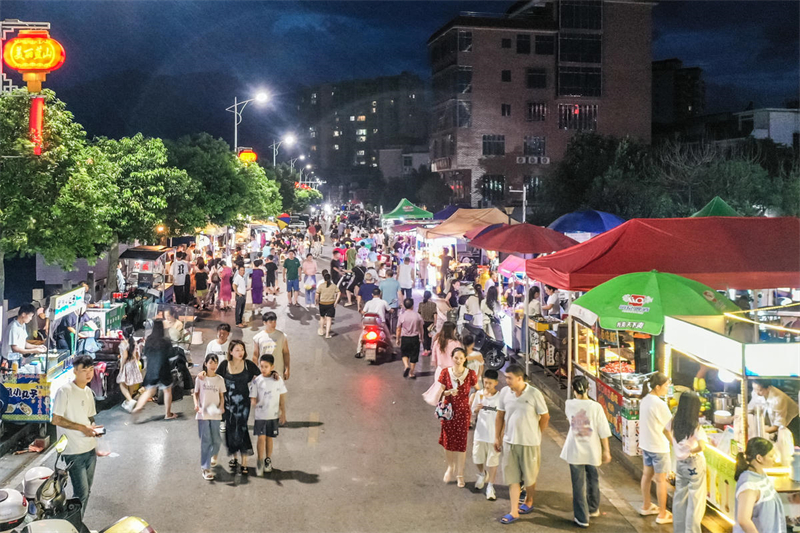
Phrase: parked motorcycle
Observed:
(493, 350)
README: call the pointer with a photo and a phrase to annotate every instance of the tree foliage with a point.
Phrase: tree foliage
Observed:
(305, 198)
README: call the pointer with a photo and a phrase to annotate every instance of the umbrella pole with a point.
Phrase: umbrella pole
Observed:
(570, 331)
(525, 327)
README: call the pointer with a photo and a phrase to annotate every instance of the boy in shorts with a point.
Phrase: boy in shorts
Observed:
(271, 268)
(268, 398)
(484, 407)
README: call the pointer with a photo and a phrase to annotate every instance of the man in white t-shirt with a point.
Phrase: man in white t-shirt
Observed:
(180, 271)
(522, 416)
(405, 277)
(73, 414)
(240, 288)
(272, 341)
(484, 407)
(16, 344)
(220, 344)
(376, 306)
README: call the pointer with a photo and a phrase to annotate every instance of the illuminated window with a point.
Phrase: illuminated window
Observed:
(374, 109)
(313, 134)
(537, 112)
(335, 133)
(352, 118)
(362, 118)
(361, 132)
(335, 146)
(360, 152)
(493, 187)
(361, 139)
(412, 96)
(313, 147)
(375, 130)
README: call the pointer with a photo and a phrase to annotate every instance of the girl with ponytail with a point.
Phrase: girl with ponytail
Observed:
(688, 441)
(758, 507)
(588, 433)
(654, 415)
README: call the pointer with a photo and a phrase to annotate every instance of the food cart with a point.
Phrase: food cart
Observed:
(32, 387)
(711, 341)
(107, 315)
(146, 268)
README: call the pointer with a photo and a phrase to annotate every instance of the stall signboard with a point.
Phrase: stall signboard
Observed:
(611, 401)
(28, 398)
(69, 302)
(143, 266)
(721, 485)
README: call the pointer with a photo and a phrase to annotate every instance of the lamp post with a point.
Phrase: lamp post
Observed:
(288, 139)
(237, 109)
(292, 161)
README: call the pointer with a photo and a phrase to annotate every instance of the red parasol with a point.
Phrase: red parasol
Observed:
(523, 239)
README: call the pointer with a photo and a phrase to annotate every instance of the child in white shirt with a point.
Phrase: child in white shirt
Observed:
(268, 398)
(209, 403)
(484, 407)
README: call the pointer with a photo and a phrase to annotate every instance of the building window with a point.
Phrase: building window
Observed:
(335, 146)
(374, 109)
(335, 133)
(579, 48)
(505, 110)
(494, 145)
(505, 43)
(581, 14)
(374, 103)
(505, 75)
(360, 152)
(412, 96)
(536, 112)
(545, 45)
(464, 41)
(361, 118)
(464, 116)
(352, 118)
(536, 78)
(534, 146)
(313, 98)
(579, 81)
(533, 185)
(577, 117)
(523, 44)
(361, 132)
(374, 130)
(450, 142)
(313, 134)
(361, 139)
(493, 188)
(464, 80)
(408, 164)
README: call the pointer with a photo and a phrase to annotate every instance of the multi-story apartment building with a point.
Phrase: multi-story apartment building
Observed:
(511, 90)
(344, 125)
(679, 92)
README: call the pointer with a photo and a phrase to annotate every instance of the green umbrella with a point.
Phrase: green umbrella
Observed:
(639, 301)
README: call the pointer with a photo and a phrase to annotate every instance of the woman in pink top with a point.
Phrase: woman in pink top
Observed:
(225, 274)
(309, 267)
(442, 356)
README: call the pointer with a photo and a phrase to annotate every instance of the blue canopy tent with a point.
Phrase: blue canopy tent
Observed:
(586, 221)
(445, 213)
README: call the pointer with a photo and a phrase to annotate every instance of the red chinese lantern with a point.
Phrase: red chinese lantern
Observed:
(248, 156)
(34, 53)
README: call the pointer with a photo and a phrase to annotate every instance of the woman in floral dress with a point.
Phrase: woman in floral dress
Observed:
(456, 383)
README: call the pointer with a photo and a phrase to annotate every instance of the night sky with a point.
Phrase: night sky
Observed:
(169, 68)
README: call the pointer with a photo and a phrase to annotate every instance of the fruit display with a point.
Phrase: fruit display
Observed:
(618, 367)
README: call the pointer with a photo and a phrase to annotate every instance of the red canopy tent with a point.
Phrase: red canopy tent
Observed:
(722, 252)
(523, 239)
(473, 233)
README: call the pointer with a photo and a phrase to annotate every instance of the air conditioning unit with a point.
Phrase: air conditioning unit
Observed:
(521, 160)
(534, 160)
(544, 160)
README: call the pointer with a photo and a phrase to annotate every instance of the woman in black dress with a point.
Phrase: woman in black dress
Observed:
(238, 372)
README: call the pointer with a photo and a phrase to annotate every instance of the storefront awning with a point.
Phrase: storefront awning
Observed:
(722, 252)
(464, 220)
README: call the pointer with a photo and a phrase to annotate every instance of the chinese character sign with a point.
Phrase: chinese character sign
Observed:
(34, 51)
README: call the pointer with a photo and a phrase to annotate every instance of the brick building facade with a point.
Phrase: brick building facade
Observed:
(509, 91)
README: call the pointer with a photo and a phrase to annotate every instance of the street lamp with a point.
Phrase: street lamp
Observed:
(292, 161)
(287, 139)
(237, 109)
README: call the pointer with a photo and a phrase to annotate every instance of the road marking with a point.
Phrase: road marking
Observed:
(313, 430)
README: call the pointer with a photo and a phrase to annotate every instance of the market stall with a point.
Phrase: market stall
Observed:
(705, 343)
(717, 207)
(405, 210)
(146, 268)
(614, 341)
(32, 386)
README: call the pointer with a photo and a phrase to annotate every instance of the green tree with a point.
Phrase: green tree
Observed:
(304, 198)
(227, 190)
(285, 178)
(144, 190)
(55, 203)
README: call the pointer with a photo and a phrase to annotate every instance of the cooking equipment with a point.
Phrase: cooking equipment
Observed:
(722, 401)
